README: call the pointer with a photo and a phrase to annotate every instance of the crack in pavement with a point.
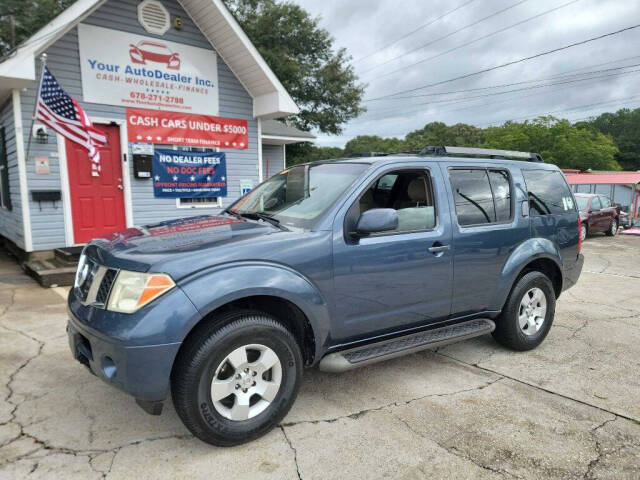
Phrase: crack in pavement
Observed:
(360, 413)
(41, 445)
(541, 388)
(454, 451)
(293, 449)
(598, 447)
(612, 274)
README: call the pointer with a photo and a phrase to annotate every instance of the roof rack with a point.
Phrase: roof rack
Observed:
(479, 152)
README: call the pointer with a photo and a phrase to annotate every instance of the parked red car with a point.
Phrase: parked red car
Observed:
(597, 214)
(146, 51)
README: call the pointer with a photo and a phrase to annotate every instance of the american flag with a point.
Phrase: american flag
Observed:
(64, 115)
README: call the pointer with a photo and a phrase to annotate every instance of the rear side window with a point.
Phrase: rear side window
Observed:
(595, 203)
(481, 196)
(549, 193)
(606, 203)
(501, 187)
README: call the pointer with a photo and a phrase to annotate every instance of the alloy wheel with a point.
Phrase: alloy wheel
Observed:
(246, 382)
(532, 311)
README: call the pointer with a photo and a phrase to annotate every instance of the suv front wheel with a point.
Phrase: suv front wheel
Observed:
(236, 378)
(528, 313)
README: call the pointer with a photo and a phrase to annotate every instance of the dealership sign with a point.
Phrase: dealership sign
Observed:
(183, 174)
(120, 68)
(152, 126)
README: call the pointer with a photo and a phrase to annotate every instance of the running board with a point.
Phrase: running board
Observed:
(396, 347)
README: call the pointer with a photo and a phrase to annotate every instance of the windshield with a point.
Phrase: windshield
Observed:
(299, 195)
(582, 203)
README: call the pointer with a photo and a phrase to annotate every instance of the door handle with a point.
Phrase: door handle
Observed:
(120, 187)
(439, 248)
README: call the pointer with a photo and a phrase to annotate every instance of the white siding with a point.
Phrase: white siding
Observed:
(63, 61)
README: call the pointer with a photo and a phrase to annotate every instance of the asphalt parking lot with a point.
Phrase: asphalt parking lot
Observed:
(570, 409)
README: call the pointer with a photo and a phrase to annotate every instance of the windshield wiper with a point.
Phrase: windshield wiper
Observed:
(261, 216)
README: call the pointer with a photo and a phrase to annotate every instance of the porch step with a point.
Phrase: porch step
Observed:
(69, 255)
(52, 272)
(376, 352)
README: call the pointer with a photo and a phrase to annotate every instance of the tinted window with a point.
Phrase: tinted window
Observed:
(548, 192)
(582, 203)
(595, 203)
(501, 187)
(472, 195)
(606, 203)
(409, 193)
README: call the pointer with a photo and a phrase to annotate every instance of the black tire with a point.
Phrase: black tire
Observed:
(196, 366)
(613, 228)
(584, 232)
(508, 331)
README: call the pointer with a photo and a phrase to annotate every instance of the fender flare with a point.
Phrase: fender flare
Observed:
(212, 288)
(529, 251)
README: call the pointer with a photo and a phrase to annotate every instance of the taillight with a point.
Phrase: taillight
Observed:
(579, 235)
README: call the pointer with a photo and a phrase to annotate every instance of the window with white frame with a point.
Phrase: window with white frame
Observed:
(5, 197)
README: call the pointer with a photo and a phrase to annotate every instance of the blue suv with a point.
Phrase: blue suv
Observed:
(333, 264)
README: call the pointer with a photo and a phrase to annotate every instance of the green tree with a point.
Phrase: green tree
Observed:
(438, 133)
(624, 128)
(320, 79)
(373, 143)
(557, 141)
(307, 152)
(19, 19)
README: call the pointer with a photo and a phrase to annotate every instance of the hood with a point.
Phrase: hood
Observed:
(140, 248)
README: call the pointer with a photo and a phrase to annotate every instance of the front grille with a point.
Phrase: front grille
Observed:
(105, 286)
(95, 282)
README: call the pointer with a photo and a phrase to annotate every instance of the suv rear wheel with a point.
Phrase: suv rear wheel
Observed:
(237, 379)
(583, 232)
(528, 313)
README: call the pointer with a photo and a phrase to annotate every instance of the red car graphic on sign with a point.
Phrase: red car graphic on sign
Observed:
(147, 51)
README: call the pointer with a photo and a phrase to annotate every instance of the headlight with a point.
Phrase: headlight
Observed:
(133, 290)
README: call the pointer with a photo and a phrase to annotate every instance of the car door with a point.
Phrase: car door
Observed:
(487, 227)
(608, 212)
(394, 280)
(596, 215)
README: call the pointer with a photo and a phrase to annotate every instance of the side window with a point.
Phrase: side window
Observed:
(501, 187)
(595, 204)
(606, 202)
(5, 197)
(410, 193)
(473, 197)
(548, 192)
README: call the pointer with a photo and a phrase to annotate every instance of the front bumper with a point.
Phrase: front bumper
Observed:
(141, 371)
(133, 352)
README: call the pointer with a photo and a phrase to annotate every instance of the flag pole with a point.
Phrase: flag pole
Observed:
(43, 60)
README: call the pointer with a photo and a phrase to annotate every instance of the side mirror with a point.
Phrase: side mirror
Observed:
(377, 220)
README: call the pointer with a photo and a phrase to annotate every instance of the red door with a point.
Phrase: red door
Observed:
(97, 203)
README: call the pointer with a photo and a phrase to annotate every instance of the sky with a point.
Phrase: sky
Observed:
(392, 43)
